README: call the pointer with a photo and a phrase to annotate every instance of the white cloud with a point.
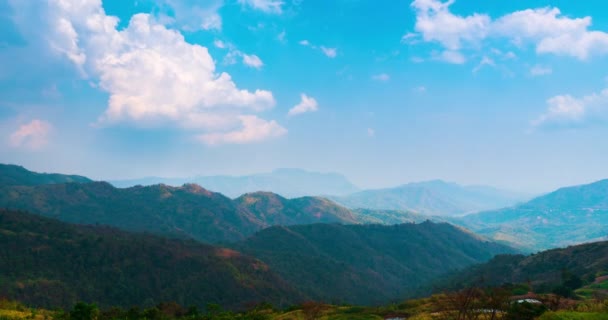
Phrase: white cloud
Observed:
(252, 61)
(330, 52)
(435, 22)
(152, 75)
(410, 38)
(453, 57)
(219, 44)
(566, 110)
(546, 28)
(539, 70)
(33, 135)
(307, 104)
(253, 129)
(485, 61)
(382, 77)
(268, 6)
(191, 15)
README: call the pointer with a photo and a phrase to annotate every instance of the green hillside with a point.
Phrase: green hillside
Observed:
(45, 262)
(366, 264)
(567, 216)
(11, 175)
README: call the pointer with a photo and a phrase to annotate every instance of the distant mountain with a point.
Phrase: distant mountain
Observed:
(44, 262)
(11, 175)
(544, 271)
(290, 183)
(567, 216)
(187, 211)
(432, 198)
(366, 264)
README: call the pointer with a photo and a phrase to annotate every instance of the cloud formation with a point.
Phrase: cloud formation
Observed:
(253, 129)
(32, 135)
(569, 111)
(267, 6)
(153, 76)
(545, 28)
(307, 104)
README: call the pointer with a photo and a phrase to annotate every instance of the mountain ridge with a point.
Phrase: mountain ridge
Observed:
(434, 197)
(288, 182)
(566, 216)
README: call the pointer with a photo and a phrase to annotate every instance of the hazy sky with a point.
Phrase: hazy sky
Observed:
(506, 93)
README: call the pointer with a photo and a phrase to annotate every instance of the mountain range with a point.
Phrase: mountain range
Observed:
(433, 198)
(564, 217)
(289, 183)
(567, 216)
(45, 262)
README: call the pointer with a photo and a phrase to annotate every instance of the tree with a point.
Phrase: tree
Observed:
(84, 311)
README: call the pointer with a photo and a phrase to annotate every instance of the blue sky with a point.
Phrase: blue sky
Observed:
(509, 94)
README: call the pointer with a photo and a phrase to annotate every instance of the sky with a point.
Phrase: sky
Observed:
(511, 94)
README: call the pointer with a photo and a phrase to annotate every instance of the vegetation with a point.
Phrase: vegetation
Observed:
(11, 175)
(48, 263)
(565, 217)
(366, 264)
(560, 271)
(187, 211)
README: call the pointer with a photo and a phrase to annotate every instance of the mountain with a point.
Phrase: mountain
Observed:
(273, 209)
(432, 198)
(366, 264)
(290, 183)
(186, 211)
(544, 271)
(567, 216)
(11, 175)
(44, 262)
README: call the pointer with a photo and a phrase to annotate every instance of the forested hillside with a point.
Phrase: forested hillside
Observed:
(366, 263)
(45, 262)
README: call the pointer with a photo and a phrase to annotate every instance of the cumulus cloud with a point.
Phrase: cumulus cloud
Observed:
(566, 110)
(545, 28)
(268, 6)
(152, 74)
(435, 22)
(253, 129)
(382, 77)
(307, 104)
(252, 61)
(32, 135)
